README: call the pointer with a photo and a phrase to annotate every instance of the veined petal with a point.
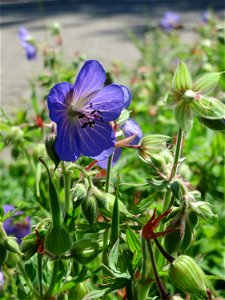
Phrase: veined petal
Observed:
(58, 100)
(109, 101)
(104, 155)
(66, 145)
(94, 140)
(130, 128)
(89, 80)
(104, 163)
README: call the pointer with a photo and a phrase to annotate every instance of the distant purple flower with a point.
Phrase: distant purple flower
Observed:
(170, 21)
(83, 111)
(18, 228)
(1, 279)
(26, 41)
(129, 128)
(206, 16)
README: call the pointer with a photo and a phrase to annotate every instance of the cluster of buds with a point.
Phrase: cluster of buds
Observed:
(191, 98)
(153, 151)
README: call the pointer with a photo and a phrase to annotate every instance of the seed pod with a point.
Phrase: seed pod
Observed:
(187, 276)
(90, 209)
(50, 148)
(3, 254)
(84, 251)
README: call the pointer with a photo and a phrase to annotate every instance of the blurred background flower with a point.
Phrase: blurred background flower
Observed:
(170, 20)
(17, 225)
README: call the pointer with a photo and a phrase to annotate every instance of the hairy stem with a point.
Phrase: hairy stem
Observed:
(67, 182)
(39, 260)
(53, 279)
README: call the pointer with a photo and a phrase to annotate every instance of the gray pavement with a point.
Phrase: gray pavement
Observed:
(95, 28)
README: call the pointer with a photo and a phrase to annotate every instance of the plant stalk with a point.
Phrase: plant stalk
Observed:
(108, 175)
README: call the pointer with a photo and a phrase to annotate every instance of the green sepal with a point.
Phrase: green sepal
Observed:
(57, 240)
(214, 124)
(208, 107)
(79, 194)
(182, 78)
(184, 116)
(115, 222)
(206, 83)
(124, 116)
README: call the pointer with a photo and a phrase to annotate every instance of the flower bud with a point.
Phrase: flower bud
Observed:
(78, 292)
(84, 251)
(182, 78)
(152, 144)
(90, 209)
(57, 240)
(106, 202)
(50, 148)
(187, 276)
(207, 82)
(15, 134)
(29, 245)
(79, 194)
(202, 209)
(10, 244)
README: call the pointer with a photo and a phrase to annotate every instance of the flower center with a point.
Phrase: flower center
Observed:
(87, 118)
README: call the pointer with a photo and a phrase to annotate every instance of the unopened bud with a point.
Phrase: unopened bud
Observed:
(84, 251)
(10, 244)
(15, 134)
(90, 209)
(79, 193)
(50, 148)
(187, 276)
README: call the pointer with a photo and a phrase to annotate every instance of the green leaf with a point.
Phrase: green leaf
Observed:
(144, 204)
(113, 257)
(184, 116)
(208, 107)
(132, 241)
(96, 294)
(205, 83)
(182, 78)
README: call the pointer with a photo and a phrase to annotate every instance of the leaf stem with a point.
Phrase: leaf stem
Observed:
(108, 175)
(158, 281)
(39, 261)
(53, 279)
(26, 278)
(67, 182)
(173, 173)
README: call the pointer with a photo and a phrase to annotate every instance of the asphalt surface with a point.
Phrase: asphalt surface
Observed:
(96, 28)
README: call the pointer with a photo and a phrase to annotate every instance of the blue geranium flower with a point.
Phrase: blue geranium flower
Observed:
(83, 111)
(129, 128)
(27, 42)
(13, 226)
(170, 21)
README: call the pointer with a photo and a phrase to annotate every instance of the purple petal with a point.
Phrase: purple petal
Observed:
(130, 128)
(116, 156)
(94, 140)
(127, 96)
(1, 279)
(109, 101)
(58, 100)
(66, 145)
(89, 80)
(31, 51)
(104, 155)
(23, 36)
